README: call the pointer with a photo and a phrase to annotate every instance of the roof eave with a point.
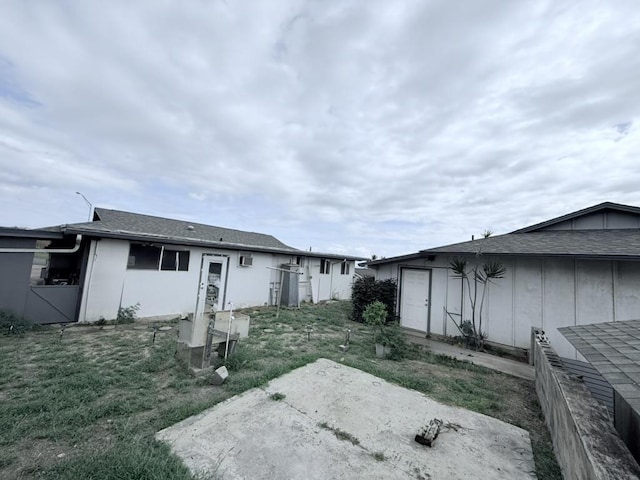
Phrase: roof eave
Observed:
(177, 241)
(120, 235)
(38, 234)
(582, 256)
(399, 258)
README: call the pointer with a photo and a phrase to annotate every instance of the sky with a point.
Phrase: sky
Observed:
(349, 127)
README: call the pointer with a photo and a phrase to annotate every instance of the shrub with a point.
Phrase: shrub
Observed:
(385, 332)
(375, 314)
(367, 290)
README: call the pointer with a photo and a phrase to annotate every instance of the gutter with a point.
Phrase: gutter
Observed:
(45, 250)
(193, 242)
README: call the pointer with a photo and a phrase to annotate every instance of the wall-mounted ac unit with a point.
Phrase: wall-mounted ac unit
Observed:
(245, 260)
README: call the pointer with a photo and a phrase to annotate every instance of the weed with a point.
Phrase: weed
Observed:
(379, 456)
(10, 323)
(128, 314)
(340, 434)
(243, 359)
(277, 396)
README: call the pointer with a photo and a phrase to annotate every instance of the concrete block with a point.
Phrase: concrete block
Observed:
(239, 324)
(219, 376)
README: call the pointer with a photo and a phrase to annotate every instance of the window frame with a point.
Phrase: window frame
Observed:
(165, 262)
(325, 266)
(133, 262)
(344, 268)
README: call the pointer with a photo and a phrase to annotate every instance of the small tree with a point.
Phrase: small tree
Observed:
(387, 333)
(375, 314)
(476, 277)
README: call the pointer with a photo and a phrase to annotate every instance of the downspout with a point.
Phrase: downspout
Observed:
(45, 250)
(93, 254)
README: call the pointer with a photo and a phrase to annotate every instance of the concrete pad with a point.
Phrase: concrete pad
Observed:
(252, 436)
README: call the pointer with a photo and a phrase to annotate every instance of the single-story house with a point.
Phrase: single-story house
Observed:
(87, 271)
(580, 268)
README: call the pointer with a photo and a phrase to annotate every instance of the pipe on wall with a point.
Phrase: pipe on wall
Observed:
(45, 250)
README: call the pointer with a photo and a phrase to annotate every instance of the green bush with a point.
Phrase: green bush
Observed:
(375, 314)
(367, 290)
(385, 332)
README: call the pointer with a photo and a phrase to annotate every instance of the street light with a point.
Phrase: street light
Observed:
(88, 203)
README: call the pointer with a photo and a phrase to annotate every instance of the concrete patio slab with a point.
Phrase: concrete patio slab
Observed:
(252, 436)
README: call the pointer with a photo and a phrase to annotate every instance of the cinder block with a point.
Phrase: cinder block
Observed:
(219, 376)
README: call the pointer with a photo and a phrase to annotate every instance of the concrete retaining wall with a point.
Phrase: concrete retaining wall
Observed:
(584, 440)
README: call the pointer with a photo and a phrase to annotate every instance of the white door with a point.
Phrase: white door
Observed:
(414, 298)
(213, 283)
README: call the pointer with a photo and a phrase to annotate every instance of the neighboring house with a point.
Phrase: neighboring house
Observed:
(365, 272)
(577, 269)
(168, 267)
(613, 349)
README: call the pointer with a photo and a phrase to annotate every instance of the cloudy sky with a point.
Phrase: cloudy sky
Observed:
(361, 127)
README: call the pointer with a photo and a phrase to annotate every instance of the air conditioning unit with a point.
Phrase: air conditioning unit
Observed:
(245, 261)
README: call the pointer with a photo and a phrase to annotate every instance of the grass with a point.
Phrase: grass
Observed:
(87, 405)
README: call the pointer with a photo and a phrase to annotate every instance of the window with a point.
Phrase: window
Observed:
(298, 261)
(175, 260)
(344, 268)
(144, 257)
(325, 266)
(152, 257)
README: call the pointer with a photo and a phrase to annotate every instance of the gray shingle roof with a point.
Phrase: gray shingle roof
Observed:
(532, 241)
(613, 348)
(134, 224)
(584, 243)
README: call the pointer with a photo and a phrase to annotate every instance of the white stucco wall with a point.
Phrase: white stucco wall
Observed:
(162, 292)
(543, 292)
(333, 285)
(104, 279)
(109, 284)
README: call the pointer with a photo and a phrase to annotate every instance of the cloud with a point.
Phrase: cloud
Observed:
(363, 126)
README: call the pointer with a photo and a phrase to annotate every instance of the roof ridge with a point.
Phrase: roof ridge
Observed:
(98, 209)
